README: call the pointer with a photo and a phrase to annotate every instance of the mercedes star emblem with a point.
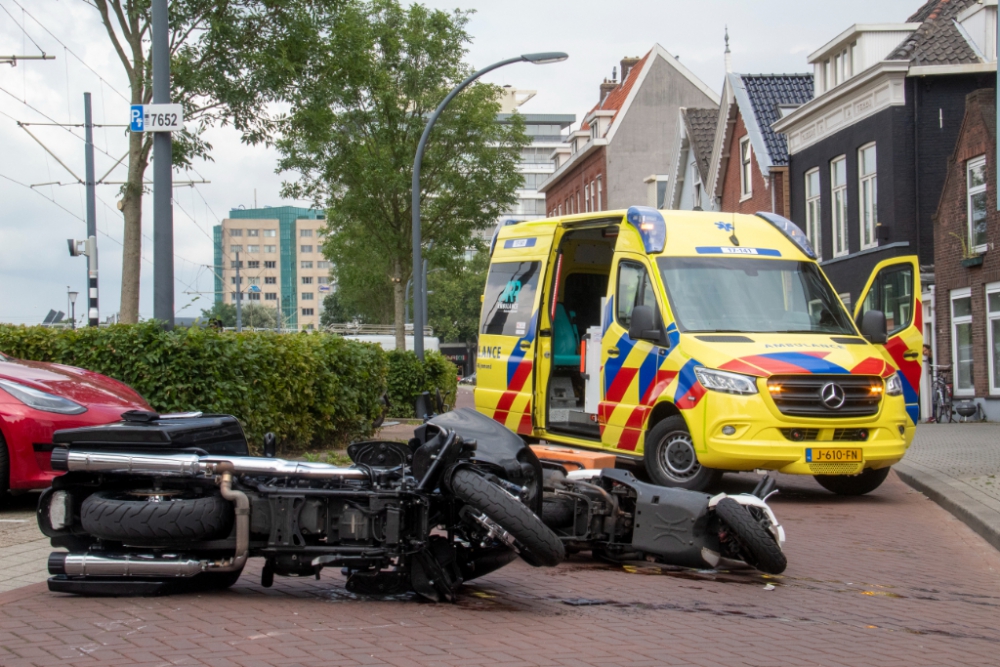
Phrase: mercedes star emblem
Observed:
(833, 395)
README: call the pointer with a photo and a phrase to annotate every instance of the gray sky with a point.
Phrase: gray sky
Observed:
(35, 267)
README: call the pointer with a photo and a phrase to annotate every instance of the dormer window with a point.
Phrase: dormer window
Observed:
(595, 130)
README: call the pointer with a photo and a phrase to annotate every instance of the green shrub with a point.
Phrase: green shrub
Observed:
(309, 389)
(408, 377)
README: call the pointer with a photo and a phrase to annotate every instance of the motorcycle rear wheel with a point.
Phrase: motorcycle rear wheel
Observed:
(132, 519)
(538, 545)
(757, 546)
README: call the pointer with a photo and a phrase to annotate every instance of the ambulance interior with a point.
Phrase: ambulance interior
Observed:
(580, 283)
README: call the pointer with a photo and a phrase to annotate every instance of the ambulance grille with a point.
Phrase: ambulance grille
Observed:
(800, 395)
(835, 468)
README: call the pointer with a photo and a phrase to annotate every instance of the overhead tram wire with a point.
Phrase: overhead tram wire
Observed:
(23, 29)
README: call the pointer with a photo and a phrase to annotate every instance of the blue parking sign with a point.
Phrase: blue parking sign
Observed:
(136, 120)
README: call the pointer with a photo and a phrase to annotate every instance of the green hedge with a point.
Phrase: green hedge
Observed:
(309, 389)
(408, 377)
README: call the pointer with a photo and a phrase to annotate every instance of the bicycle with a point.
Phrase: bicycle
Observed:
(943, 408)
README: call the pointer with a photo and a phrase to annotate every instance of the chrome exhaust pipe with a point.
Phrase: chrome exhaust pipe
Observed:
(192, 465)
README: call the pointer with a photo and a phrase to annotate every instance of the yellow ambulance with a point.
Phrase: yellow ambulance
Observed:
(699, 343)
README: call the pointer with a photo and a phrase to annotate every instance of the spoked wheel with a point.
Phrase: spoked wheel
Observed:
(671, 460)
(746, 535)
(508, 519)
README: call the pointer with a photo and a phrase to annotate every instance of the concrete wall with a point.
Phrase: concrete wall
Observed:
(646, 140)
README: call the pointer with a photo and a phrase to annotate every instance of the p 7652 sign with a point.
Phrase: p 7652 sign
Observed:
(156, 118)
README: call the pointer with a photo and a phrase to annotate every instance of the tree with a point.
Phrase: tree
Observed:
(352, 133)
(229, 58)
(454, 301)
(254, 315)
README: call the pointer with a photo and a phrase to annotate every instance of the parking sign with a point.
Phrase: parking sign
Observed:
(156, 118)
(135, 122)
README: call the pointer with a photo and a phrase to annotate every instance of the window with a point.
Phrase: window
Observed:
(892, 293)
(961, 341)
(232, 280)
(976, 169)
(270, 233)
(305, 233)
(236, 232)
(270, 296)
(323, 280)
(307, 311)
(253, 296)
(868, 195)
(993, 333)
(586, 197)
(270, 248)
(838, 192)
(814, 228)
(307, 296)
(253, 232)
(593, 195)
(233, 263)
(323, 264)
(634, 289)
(269, 263)
(600, 201)
(746, 175)
(509, 298)
(235, 248)
(254, 280)
(306, 265)
(253, 264)
(270, 280)
(253, 248)
(305, 248)
(307, 280)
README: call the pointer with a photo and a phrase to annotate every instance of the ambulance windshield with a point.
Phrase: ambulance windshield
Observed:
(749, 295)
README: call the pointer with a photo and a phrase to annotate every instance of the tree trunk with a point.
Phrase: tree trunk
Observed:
(132, 243)
(399, 301)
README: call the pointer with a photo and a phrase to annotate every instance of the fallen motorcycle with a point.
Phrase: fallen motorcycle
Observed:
(617, 517)
(163, 503)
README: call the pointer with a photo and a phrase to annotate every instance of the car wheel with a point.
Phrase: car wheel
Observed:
(854, 485)
(671, 460)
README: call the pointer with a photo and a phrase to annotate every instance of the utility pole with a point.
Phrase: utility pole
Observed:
(239, 296)
(163, 189)
(88, 153)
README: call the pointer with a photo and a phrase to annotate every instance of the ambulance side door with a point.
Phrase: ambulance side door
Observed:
(894, 288)
(629, 366)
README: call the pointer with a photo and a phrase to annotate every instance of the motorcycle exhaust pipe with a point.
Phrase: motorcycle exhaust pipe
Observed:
(192, 465)
(134, 565)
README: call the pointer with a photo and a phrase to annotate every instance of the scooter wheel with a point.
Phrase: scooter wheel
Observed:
(756, 546)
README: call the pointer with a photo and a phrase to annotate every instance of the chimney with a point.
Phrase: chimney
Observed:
(606, 88)
(627, 65)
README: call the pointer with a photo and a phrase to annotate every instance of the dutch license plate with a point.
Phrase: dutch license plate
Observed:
(817, 455)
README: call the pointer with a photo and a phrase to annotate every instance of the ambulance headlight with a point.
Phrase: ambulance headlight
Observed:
(893, 385)
(726, 382)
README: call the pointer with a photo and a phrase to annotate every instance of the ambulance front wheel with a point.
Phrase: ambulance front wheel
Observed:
(671, 460)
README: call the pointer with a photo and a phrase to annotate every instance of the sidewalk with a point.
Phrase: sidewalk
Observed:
(958, 467)
(24, 551)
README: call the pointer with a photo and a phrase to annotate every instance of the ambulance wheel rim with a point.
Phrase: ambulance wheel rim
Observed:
(678, 458)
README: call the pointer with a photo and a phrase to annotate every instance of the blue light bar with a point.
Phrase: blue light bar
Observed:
(791, 231)
(650, 225)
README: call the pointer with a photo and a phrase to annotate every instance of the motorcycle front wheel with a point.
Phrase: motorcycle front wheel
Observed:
(756, 546)
(537, 544)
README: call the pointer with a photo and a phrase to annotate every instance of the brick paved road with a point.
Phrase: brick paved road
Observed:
(23, 548)
(969, 453)
(889, 579)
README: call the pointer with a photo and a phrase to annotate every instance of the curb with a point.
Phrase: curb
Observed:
(968, 505)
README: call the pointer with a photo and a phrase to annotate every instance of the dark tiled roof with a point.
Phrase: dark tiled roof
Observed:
(937, 41)
(701, 133)
(768, 92)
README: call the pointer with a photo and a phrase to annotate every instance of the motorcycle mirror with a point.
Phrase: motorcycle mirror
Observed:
(270, 445)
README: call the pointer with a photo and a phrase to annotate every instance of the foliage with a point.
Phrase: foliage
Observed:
(311, 390)
(253, 315)
(408, 378)
(358, 112)
(225, 313)
(454, 300)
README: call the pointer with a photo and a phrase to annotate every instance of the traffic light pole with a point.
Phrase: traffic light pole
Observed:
(91, 185)
(163, 188)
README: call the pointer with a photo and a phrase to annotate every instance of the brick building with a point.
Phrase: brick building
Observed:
(869, 153)
(749, 166)
(966, 260)
(630, 133)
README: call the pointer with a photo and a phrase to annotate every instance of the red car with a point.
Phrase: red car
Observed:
(38, 399)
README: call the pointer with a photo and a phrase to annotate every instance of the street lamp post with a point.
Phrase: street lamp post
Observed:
(419, 286)
(72, 305)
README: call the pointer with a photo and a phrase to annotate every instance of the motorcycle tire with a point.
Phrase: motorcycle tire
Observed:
(854, 485)
(557, 511)
(121, 517)
(756, 545)
(538, 545)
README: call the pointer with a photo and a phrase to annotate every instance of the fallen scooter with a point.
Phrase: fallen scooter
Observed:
(163, 503)
(619, 518)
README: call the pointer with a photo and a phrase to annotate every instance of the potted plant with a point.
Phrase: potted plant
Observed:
(969, 258)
